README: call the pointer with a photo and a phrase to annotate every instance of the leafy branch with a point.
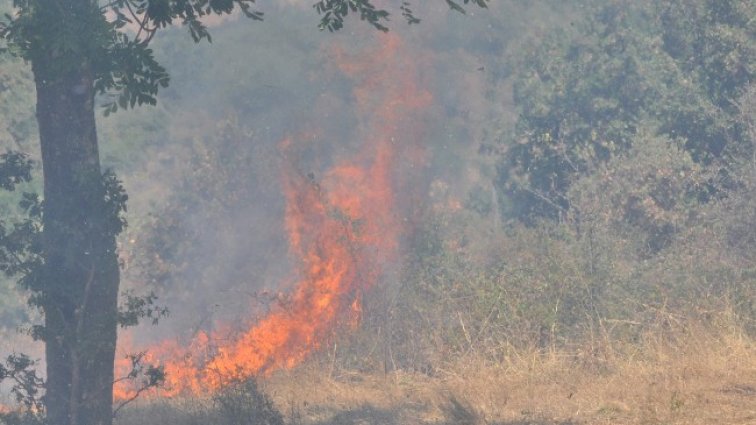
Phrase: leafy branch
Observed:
(136, 308)
(26, 384)
(144, 376)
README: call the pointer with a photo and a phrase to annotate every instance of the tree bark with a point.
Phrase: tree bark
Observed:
(81, 274)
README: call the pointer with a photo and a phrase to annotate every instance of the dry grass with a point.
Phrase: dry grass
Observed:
(689, 374)
(697, 377)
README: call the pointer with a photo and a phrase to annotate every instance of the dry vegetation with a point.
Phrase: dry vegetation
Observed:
(691, 375)
(624, 293)
(521, 338)
(635, 305)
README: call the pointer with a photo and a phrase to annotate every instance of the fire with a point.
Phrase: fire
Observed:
(343, 229)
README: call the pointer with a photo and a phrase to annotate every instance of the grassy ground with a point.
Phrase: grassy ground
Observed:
(699, 377)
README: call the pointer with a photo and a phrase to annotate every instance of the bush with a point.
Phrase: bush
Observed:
(242, 403)
(638, 252)
(646, 195)
(239, 403)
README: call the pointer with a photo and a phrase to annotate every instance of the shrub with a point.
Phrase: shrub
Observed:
(242, 403)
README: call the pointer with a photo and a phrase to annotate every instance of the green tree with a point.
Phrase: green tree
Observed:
(585, 93)
(82, 53)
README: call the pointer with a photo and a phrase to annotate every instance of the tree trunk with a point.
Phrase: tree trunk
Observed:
(81, 273)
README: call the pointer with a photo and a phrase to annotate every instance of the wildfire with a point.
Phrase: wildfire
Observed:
(343, 228)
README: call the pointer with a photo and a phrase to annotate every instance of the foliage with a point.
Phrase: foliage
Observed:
(137, 308)
(143, 377)
(17, 124)
(335, 11)
(125, 70)
(585, 94)
(20, 244)
(79, 49)
(21, 259)
(242, 403)
(15, 168)
(647, 194)
(639, 252)
(739, 216)
(552, 288)
(26, 385)
(628, 123)
(124, 67)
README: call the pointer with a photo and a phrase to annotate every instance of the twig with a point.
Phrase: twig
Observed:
(130, 399)
(464, 330)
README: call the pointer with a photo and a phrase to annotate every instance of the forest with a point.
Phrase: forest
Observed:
(343, 212)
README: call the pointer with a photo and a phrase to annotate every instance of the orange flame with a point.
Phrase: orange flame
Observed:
(342, 229)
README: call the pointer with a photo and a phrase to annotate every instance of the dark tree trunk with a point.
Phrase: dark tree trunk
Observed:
(81, 274)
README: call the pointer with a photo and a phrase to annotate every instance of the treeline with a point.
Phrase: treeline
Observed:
(626, 195)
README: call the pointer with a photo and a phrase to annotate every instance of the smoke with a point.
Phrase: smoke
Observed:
(275, 121)
(344, 230)
(313, 171)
